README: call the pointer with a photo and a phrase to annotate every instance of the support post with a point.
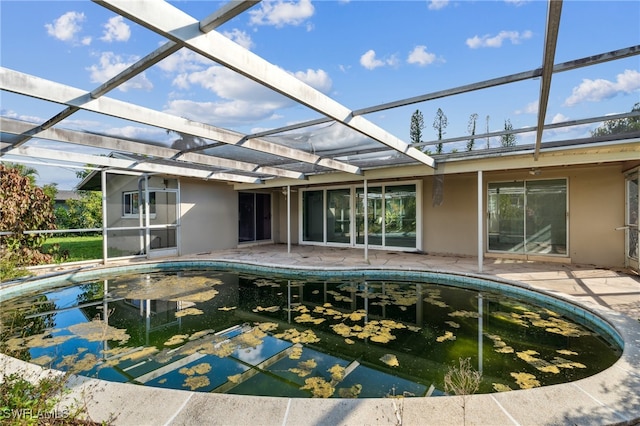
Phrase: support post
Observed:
(147, 218)
(103, 185)
(288, 219)
(366, 222)
(480, 223)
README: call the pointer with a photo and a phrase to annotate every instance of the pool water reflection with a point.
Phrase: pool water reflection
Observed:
(231, 332)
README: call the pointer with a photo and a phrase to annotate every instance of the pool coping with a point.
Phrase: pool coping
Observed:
(609, 397)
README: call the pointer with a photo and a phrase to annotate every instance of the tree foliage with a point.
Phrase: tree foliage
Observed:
(508, 139)
(83, 213)
(439, 124)
(417, 124)
(621, 125)
(471, 127)
(23, 207)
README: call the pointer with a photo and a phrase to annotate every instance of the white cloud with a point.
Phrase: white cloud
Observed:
(370, 62)
(280, 13)
(221, 113)
(240, 37)
(110, 65)
(559, 118)
(517, 2)
(318, 79)
(12, 114)
(496, 41)
(116, 30)
(241, 99)
(184, 60)
(600, 89)
(530, 108)
(135, 132)
(66, 26)
(420, 56)
(438, 4)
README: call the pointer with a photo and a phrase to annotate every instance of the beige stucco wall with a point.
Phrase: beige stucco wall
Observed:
(280, 219)
(209, 216)
(451, 227)
(596, 208)
(597, 203)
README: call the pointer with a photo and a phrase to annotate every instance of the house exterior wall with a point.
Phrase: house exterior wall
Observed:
(209, 216)
(280, 219)
(451, 227)
(595, 203)
(127, 242)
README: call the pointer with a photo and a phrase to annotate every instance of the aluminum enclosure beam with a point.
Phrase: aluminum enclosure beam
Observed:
(224, 14)
(486, 84)
(120, 163)
(550, 40)
(115, 144)
(36, 87)
(168, 21)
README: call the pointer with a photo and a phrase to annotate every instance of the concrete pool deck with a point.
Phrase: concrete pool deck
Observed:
(609, 397)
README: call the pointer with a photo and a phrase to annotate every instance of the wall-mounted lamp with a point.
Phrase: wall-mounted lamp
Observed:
(535, 171)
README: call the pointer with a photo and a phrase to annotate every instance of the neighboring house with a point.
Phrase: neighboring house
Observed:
(62, 196)
(571, 205)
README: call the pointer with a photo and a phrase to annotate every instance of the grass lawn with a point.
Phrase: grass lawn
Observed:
(78, 247)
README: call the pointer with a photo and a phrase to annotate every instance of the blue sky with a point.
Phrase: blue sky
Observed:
(361, 53)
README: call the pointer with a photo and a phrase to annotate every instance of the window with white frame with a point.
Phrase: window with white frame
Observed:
(131, 203)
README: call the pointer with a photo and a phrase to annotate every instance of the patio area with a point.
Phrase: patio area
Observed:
(610, 397)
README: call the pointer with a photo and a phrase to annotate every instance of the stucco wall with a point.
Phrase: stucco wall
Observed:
(209, 216)
(451, 227)
(597, 202)
(596, 208)
(280, 218)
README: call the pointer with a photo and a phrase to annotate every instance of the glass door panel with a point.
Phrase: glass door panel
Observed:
(506, 216)
(312, 216)
(246, 217)
(263, 217)
(546, 217)
(375, 209)
(400, 216)
(338, 215)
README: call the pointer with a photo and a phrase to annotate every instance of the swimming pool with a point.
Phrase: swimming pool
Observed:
(298, 333)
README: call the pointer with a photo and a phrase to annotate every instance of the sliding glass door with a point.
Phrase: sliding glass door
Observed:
(337, 216)
(254, 216)
(528, 217)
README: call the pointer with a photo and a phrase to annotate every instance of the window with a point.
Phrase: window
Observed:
(528, 217)
(131, 203)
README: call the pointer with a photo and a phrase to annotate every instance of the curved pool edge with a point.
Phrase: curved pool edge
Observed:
(609, 397)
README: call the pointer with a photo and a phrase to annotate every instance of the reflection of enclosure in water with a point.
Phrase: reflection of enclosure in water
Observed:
(224, 332)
